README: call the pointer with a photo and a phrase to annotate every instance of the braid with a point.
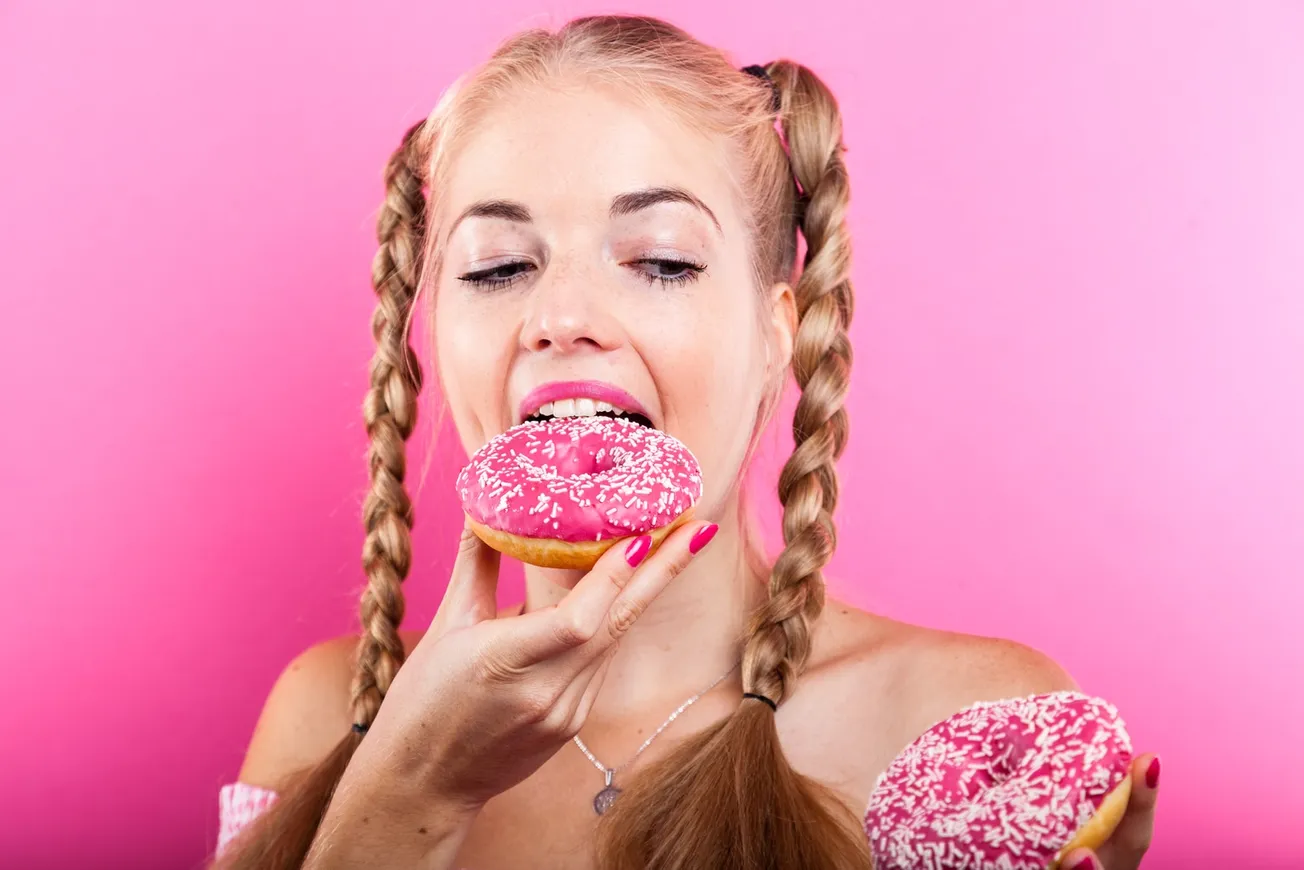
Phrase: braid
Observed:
(390, 411)
(729, 791)
(779, 634)
(282, 837)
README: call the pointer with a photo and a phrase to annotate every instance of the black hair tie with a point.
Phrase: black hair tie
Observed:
(773, 706)
(760, 72)
(359, 728)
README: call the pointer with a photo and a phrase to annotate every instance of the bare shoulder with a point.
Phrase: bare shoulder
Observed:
(305, 714)
(931, 669)
(950, 670)
(307, 711)
(878, 683)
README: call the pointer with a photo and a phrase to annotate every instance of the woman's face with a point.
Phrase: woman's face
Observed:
(612, 266)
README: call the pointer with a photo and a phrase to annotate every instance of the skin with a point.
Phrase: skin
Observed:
(610, 653)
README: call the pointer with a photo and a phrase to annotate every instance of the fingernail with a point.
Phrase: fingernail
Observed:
(638, 549)
(1152, 773)
(1087, 863)
(702, 538)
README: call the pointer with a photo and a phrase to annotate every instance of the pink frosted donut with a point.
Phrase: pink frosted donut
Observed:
(1012, 784)
(558, 493)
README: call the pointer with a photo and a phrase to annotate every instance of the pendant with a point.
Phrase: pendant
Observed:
(605, 798)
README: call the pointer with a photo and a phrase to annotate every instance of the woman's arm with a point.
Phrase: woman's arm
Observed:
(368, 823)
(367, 820)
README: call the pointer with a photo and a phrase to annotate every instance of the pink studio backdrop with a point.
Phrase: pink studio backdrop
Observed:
(1078, 403)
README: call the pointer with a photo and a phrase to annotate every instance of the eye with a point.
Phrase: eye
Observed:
(498, 277)
(668, 271)
(681, 271)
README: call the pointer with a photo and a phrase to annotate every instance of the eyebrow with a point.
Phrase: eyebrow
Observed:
(622, 205)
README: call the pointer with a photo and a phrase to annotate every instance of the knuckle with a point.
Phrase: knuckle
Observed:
(620, 579)
(677, 565)
(541, 707)
(536, 708)
(624, 613)
(467, 543)
(570, 631)
(491, 669)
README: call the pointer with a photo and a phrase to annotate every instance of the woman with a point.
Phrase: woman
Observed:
(613, 217)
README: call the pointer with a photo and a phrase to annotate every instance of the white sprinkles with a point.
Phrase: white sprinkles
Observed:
(579, 479)
(1000, 785)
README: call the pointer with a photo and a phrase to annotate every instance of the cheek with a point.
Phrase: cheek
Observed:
(711, 378)
(472, 357)
(732, 398)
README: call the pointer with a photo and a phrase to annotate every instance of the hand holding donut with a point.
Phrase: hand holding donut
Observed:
(483, 702)
(1131, 839)
(1030, 783)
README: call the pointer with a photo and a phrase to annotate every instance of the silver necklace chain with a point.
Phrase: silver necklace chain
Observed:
(608, 794)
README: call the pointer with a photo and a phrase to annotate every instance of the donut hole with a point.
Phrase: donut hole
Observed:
(577, 460)
(590, 464)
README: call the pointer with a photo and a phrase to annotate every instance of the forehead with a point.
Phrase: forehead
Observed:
(567, 153)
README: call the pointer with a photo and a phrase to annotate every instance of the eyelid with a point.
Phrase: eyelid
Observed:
(658, 254)
(694, 269)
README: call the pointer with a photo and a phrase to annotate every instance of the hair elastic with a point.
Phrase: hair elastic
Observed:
(760, 72)
(360, 728)
(773, 706)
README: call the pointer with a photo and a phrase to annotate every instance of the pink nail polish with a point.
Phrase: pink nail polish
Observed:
(1087, 863)
(638, 549)
(702, 538)
(1152, 773)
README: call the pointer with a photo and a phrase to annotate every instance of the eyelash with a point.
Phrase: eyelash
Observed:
(691, 273)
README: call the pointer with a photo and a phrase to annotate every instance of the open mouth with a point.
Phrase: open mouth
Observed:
(585, 408)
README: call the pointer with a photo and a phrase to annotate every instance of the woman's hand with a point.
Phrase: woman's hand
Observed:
(483, 702)
(1130, 840)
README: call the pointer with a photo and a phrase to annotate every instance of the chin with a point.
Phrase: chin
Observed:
(563, 578)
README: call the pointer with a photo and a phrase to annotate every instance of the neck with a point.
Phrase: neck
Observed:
(690, 634)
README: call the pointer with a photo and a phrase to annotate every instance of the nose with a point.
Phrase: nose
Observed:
(566, 313)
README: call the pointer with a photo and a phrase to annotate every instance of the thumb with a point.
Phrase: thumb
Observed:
(472, 593)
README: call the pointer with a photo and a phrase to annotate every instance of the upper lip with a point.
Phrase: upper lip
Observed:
(598, 391)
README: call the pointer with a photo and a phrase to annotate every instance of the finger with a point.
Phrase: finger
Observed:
(584, 691)
(1130, 840)
(1083, 859)
(567, 626)
(610, 598)
(663, 566)
(472, 593)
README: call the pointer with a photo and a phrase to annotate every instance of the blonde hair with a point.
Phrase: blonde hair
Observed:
(727, 795)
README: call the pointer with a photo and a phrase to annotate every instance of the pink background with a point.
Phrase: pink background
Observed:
(1078, 404)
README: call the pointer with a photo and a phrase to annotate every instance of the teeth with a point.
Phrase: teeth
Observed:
(581, 407)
